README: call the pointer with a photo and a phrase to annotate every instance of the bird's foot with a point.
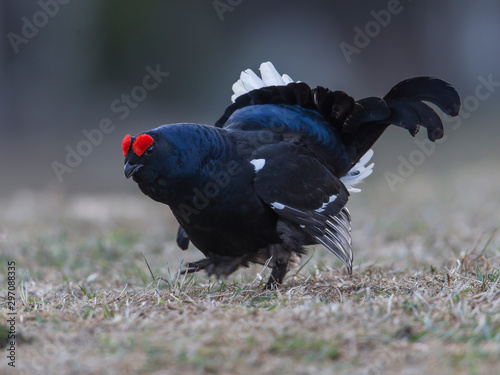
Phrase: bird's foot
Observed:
(277, 274)
(199, 265)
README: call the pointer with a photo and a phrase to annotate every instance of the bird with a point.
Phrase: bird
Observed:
(274, 174)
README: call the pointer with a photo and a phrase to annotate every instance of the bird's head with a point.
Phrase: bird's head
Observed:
(139, 159)
(164, 154)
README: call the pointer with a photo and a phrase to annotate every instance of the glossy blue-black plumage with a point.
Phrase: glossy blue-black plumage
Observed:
(291, 119)
(266, 180)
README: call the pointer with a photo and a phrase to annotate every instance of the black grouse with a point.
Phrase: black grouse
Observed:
(275, 172)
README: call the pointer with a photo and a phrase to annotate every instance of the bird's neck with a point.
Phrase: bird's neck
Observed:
(211, 153)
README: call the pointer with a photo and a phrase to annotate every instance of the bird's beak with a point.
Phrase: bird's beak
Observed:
(130, 169)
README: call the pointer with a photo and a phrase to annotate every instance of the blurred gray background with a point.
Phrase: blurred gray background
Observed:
(63, 64)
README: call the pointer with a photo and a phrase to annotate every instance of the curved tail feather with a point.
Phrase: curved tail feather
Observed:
(428, 89)
(404, 107)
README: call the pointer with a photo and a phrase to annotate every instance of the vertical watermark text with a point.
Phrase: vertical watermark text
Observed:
(12, 313)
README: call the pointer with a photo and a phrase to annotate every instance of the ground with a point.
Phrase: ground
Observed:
(98, 292)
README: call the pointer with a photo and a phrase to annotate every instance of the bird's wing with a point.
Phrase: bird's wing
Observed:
(301, 190)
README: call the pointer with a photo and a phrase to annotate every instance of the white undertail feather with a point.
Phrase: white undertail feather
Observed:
(250, 81)
(358, 173)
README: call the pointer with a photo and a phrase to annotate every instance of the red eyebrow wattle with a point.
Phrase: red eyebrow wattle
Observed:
(126, 144)
(141, 144)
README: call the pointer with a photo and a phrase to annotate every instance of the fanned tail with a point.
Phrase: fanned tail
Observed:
(250, 81)
(358, 123)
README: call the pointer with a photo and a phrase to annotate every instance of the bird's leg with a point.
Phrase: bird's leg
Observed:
(218, 265)
(196, 266)
(223, 266)
(280, 267)
(277, 275)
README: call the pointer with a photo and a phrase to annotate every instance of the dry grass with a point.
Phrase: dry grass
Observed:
(424, 296)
